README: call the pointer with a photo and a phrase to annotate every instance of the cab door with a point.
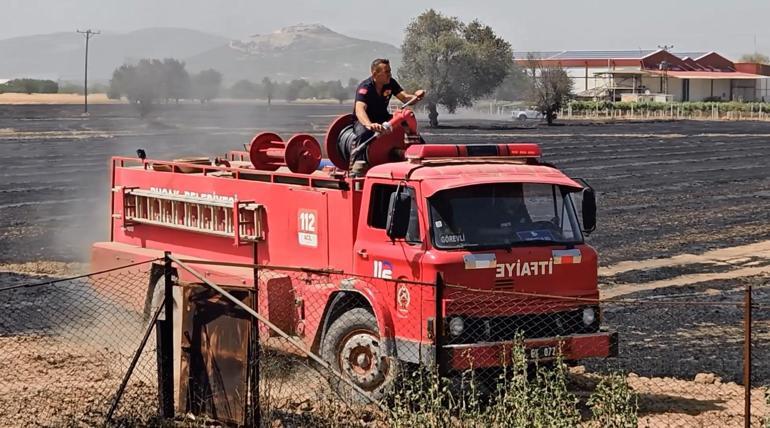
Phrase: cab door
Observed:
(377, 256)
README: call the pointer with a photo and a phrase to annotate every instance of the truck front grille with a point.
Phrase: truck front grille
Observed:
(528, 326)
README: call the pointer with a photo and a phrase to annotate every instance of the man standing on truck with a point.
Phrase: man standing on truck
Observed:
(372, 99)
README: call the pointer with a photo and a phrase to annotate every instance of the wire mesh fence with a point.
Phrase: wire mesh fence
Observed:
(65, 346)
(320, 348)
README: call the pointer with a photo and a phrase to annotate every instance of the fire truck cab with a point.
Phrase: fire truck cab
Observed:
(443, 256)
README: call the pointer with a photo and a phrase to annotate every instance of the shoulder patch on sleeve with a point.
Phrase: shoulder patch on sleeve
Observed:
(363, 91)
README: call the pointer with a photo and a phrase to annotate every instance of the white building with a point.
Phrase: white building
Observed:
(658, 75)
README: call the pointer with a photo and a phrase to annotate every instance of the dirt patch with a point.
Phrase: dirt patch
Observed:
(684, 330)
(46, 268)
(630, 277)
(15, 98)
(663, 272)
(705, 401)
(49, 382)
(739, 255)
(14, 135)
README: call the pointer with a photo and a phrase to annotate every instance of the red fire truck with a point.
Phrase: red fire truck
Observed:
(445, 251)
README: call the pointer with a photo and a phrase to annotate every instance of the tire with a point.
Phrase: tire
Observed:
(353, 347)
(522, 117)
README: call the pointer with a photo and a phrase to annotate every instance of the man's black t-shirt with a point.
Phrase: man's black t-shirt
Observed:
(376, 104)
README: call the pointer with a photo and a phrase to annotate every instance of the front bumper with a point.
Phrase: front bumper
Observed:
(495, 354)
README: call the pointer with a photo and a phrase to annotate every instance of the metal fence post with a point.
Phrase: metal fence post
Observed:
(254, 411)
(165, 343)
(747, 355)
(439, 323)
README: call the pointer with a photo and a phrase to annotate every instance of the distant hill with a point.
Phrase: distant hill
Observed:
(312, 51)
(60, 55)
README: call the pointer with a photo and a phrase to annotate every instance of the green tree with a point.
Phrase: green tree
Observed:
(148, 84)
(351, 87)
(206, 85)
(245, 89)
(338, 92)
(30, 86)
(550, 87)
(310, 91)
(352, 84)
(268, 89)
(294, 88)
(176, 80)
(143, 83)
(756, 58)
(454, 62)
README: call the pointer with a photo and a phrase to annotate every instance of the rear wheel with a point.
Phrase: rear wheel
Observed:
(353, 346)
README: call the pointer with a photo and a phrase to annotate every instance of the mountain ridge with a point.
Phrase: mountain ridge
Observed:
(310, 51)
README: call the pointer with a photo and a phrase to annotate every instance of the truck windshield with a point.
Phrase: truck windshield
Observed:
(503, 215)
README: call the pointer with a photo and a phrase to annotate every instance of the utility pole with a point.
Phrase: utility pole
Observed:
(88, 34)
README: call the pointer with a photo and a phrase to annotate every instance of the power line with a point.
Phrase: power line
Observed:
(88, 34)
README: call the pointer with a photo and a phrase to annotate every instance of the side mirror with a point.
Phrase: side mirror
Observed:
(589, 210)
(398, 215)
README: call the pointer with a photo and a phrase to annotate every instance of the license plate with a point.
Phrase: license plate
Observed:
(541, 353)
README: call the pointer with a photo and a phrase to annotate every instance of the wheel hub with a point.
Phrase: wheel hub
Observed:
(361, 359)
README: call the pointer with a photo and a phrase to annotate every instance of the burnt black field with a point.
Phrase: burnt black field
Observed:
(664, 188)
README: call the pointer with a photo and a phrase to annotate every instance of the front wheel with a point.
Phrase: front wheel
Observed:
(353, 347)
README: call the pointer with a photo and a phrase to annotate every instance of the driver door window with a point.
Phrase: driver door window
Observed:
(378, 210)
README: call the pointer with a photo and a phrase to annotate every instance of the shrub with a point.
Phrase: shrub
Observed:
(687, 107)
(614, 404)
(30, 86)
(519, 400)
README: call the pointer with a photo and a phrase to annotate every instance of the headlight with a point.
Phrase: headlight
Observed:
(456, 326)
(589, 316)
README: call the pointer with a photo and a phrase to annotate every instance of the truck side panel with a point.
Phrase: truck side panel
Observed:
(284, 243)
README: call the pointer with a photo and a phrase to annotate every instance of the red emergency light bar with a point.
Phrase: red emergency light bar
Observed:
(426, 151)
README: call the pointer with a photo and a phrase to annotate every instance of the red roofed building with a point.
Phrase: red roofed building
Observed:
(658, 75)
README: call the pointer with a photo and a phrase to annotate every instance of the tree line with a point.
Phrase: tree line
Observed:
(151, 81)
(268, 89)
(30, 86)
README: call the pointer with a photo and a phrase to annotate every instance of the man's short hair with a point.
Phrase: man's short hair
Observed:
(379, 61)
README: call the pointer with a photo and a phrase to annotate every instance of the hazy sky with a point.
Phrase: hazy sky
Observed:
(729, 27)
